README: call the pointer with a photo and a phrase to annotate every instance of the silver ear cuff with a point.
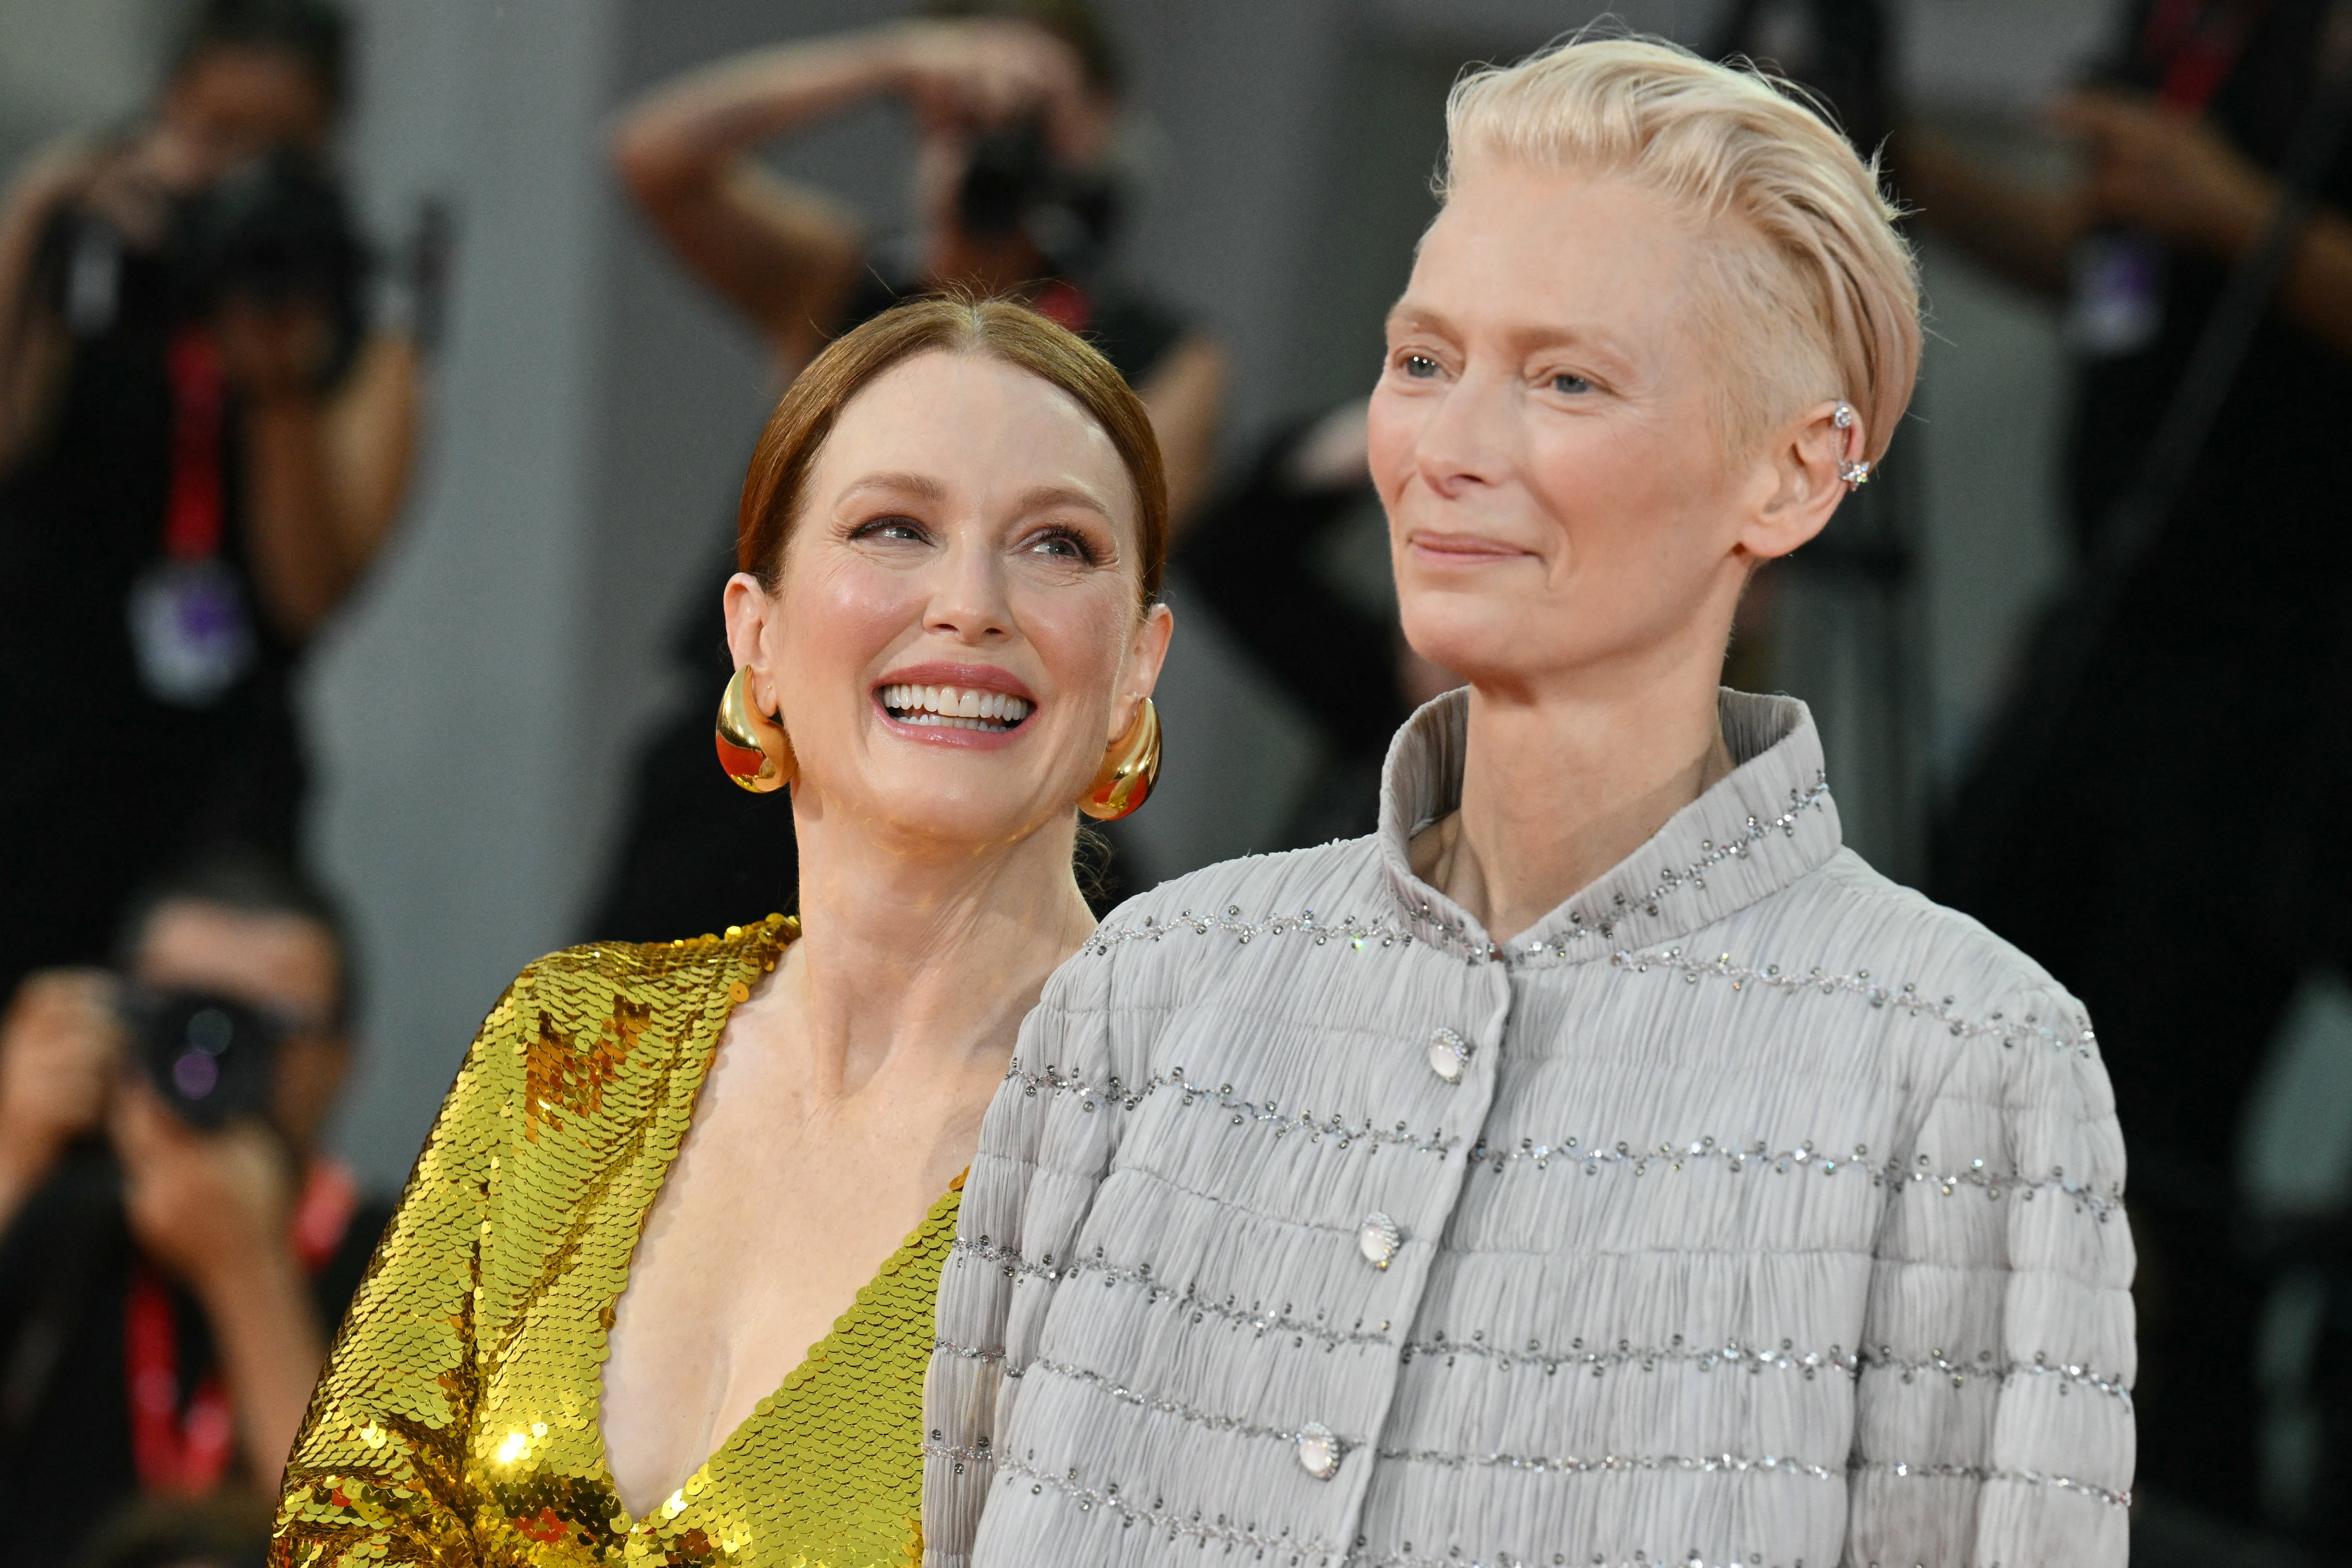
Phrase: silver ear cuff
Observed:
(1855, 471)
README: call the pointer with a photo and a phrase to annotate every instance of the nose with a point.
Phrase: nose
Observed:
(1460, 447)
(968, 602)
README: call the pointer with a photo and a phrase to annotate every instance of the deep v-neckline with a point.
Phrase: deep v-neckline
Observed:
(675, 1500)
(609, 1310)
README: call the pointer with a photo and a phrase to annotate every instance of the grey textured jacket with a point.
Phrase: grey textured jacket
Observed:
(1748, 1209)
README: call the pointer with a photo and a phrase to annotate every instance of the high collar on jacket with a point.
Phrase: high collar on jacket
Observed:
(1760, 827)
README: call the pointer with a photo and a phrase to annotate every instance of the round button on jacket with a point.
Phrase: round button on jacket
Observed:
(1318, 1450)
(1449, 1053)
(1378, 1239)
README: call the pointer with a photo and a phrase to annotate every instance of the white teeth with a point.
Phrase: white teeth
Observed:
(963, 708)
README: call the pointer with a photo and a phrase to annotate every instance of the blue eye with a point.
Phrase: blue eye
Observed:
(894, 528)
(1421, 367)
(1572, 384)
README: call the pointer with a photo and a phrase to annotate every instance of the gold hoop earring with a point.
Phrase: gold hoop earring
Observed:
(752, 747)
(1129, 769)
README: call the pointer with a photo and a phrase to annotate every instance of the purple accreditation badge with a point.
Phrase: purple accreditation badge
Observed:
(191, 631)
(2115, 301)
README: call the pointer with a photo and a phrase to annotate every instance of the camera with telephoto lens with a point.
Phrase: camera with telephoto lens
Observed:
(211, 1057)
(276, 230)
(1013, 185)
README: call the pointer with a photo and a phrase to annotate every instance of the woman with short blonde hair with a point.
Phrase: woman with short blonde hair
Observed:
(1599, 1163)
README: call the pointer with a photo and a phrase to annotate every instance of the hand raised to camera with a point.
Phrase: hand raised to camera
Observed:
(207, 1206)
(59, 1044)
(276, 353)
(2156, 168)
(980, 72)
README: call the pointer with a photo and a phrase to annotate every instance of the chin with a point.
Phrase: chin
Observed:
(974, 818)
(1471, 637)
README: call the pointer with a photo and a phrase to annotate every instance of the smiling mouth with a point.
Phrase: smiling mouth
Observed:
(956, 708)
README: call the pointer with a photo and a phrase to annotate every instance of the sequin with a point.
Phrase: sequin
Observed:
(457, 1420)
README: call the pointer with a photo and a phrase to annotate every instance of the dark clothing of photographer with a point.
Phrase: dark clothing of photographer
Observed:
(110, 1384)
(136, 661)
(1261, 558)
(174, 1250)
(2126, 867)
(201, 449)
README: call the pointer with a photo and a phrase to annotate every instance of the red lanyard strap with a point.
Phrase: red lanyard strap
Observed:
(195, 505)
(188, 1452)
(182, 1453)
(2195, 45)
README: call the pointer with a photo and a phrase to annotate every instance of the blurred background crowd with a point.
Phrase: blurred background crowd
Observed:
(376, 380)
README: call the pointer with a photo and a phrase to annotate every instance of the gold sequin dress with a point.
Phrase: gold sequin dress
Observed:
(457, 1420)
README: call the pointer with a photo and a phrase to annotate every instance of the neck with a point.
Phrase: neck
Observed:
(929, 951)
(1562, 781)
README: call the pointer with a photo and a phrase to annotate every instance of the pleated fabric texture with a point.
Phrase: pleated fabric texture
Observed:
(1748, 1210)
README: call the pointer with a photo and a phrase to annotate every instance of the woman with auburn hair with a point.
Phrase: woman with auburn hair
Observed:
(661, 1286)
(1598, 1165)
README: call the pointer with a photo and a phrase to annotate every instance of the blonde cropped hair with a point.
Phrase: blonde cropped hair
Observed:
(1815, 289)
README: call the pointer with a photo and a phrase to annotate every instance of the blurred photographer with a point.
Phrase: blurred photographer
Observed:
(200, 450)
(174, 1250)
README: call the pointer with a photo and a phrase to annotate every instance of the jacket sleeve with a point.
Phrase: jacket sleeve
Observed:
(1044, 1148)
(1993, 1421)
(379, 1474)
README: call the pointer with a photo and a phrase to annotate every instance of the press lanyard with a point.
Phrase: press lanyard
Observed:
(2196, 44)
(193, 508)
(185, 1452)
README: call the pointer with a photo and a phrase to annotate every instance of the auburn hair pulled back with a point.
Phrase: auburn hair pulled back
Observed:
(997, 329)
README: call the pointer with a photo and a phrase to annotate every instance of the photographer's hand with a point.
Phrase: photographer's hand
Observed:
(977, 72)
(59, 1043)
(211, 1208)
(275, 355)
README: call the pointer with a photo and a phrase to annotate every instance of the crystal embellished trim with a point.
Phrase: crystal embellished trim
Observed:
(1739, 1357)
(1187, 1299)
(1689, 1464)
(1125, 1097)
(970, 1352)
(1735, 1158)
(1600, 1362)
(1740, 1464)
(2075, 1036)
(1358, 933)
(939, 1451)
(2071, 1374)
(1182, 1412)
(1156, 1517)
(1985, 1473)
(1583, 926)
(1349, 932)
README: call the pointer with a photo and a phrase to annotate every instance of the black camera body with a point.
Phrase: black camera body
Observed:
(1013, 185)
(211, 1057)
(275, 230)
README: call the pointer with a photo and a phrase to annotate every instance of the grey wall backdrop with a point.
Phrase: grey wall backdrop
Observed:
(475, 709)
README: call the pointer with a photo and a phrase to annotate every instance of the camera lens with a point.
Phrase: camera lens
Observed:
(195, 1075)
(210, 1030)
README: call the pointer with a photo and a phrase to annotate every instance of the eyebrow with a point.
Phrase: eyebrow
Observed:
(922, 486)
(1045, 498)
(1523, 340)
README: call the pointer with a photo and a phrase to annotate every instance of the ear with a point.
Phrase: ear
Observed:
(749, 609)
(1145, 657)
(1796, 486)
